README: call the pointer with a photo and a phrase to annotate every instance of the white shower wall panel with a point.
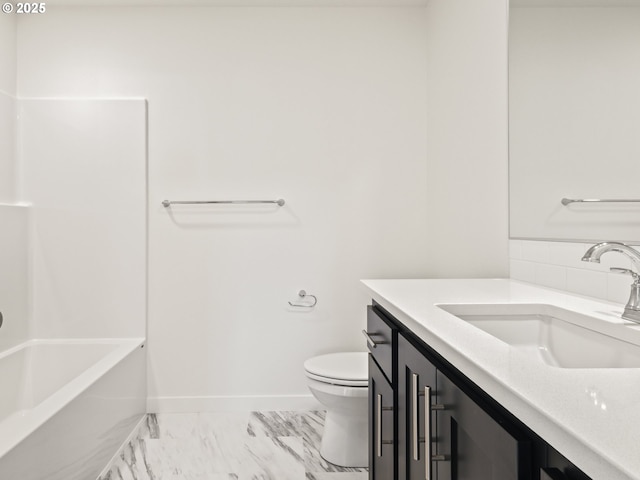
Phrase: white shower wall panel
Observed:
(14, 275)
(8, 70)
(8, 54)
(8, 173)
(83, 168)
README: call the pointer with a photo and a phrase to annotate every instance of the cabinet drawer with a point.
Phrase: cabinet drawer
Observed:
(380, 342)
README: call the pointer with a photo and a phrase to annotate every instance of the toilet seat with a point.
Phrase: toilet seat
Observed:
(348, 369)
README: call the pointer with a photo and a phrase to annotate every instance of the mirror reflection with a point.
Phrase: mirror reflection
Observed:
(574, 118)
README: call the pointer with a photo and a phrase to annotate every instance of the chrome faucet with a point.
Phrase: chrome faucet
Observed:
(632, 308)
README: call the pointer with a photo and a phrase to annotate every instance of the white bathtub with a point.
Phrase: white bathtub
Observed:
(66, 406)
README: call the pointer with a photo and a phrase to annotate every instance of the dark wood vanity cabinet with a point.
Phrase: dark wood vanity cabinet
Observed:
(444, 435)
(427, 421)
(382, 334)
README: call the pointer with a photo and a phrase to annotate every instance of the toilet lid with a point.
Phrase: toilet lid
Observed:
(350, 368)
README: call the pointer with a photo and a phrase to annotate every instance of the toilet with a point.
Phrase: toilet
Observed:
(339, 381)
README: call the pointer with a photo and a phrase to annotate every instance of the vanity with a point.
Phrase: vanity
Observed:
(517, 382)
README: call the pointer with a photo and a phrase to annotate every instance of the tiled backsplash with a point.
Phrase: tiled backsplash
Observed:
(558, 265)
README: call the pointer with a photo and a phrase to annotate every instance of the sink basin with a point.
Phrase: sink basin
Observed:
(553, 335)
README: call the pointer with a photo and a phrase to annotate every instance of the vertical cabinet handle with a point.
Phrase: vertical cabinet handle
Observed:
(427, 432)
(379, 425)
(415, 438)
(414, 417)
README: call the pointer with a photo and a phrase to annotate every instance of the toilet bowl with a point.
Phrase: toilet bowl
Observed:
(339, 381)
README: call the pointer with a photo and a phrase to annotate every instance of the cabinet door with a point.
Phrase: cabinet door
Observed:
(381, 425)
(416, 421)
(477, 446)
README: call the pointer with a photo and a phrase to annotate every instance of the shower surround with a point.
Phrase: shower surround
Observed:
(75, 311)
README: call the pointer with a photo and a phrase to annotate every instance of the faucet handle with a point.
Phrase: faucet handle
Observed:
(636, 277)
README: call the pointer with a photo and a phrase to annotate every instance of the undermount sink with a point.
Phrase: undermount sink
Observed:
(558, 337)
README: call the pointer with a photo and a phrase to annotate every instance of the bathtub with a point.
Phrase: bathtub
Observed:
(66, 406)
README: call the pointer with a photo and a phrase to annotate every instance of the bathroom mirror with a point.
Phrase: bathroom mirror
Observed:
(574, 119)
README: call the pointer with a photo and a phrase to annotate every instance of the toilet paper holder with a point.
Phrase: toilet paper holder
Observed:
(302, 294)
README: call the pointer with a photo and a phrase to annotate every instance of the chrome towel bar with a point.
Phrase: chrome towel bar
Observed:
(168, 203)
(567, 201)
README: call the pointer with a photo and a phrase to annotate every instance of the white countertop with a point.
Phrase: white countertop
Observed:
(591, 416)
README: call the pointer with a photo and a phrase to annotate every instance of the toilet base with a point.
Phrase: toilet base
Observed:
(345, 440)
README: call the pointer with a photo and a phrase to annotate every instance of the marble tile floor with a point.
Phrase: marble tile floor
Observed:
(229, 446)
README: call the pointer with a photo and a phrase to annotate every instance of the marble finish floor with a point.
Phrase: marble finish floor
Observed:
(229, 446)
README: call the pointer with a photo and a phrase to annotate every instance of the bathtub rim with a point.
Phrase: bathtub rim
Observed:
(14, 429)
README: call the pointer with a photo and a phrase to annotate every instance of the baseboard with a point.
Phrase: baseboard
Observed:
(242, 403)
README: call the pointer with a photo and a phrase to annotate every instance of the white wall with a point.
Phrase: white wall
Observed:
(467, 192)
(325, 107)
(83, 171)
